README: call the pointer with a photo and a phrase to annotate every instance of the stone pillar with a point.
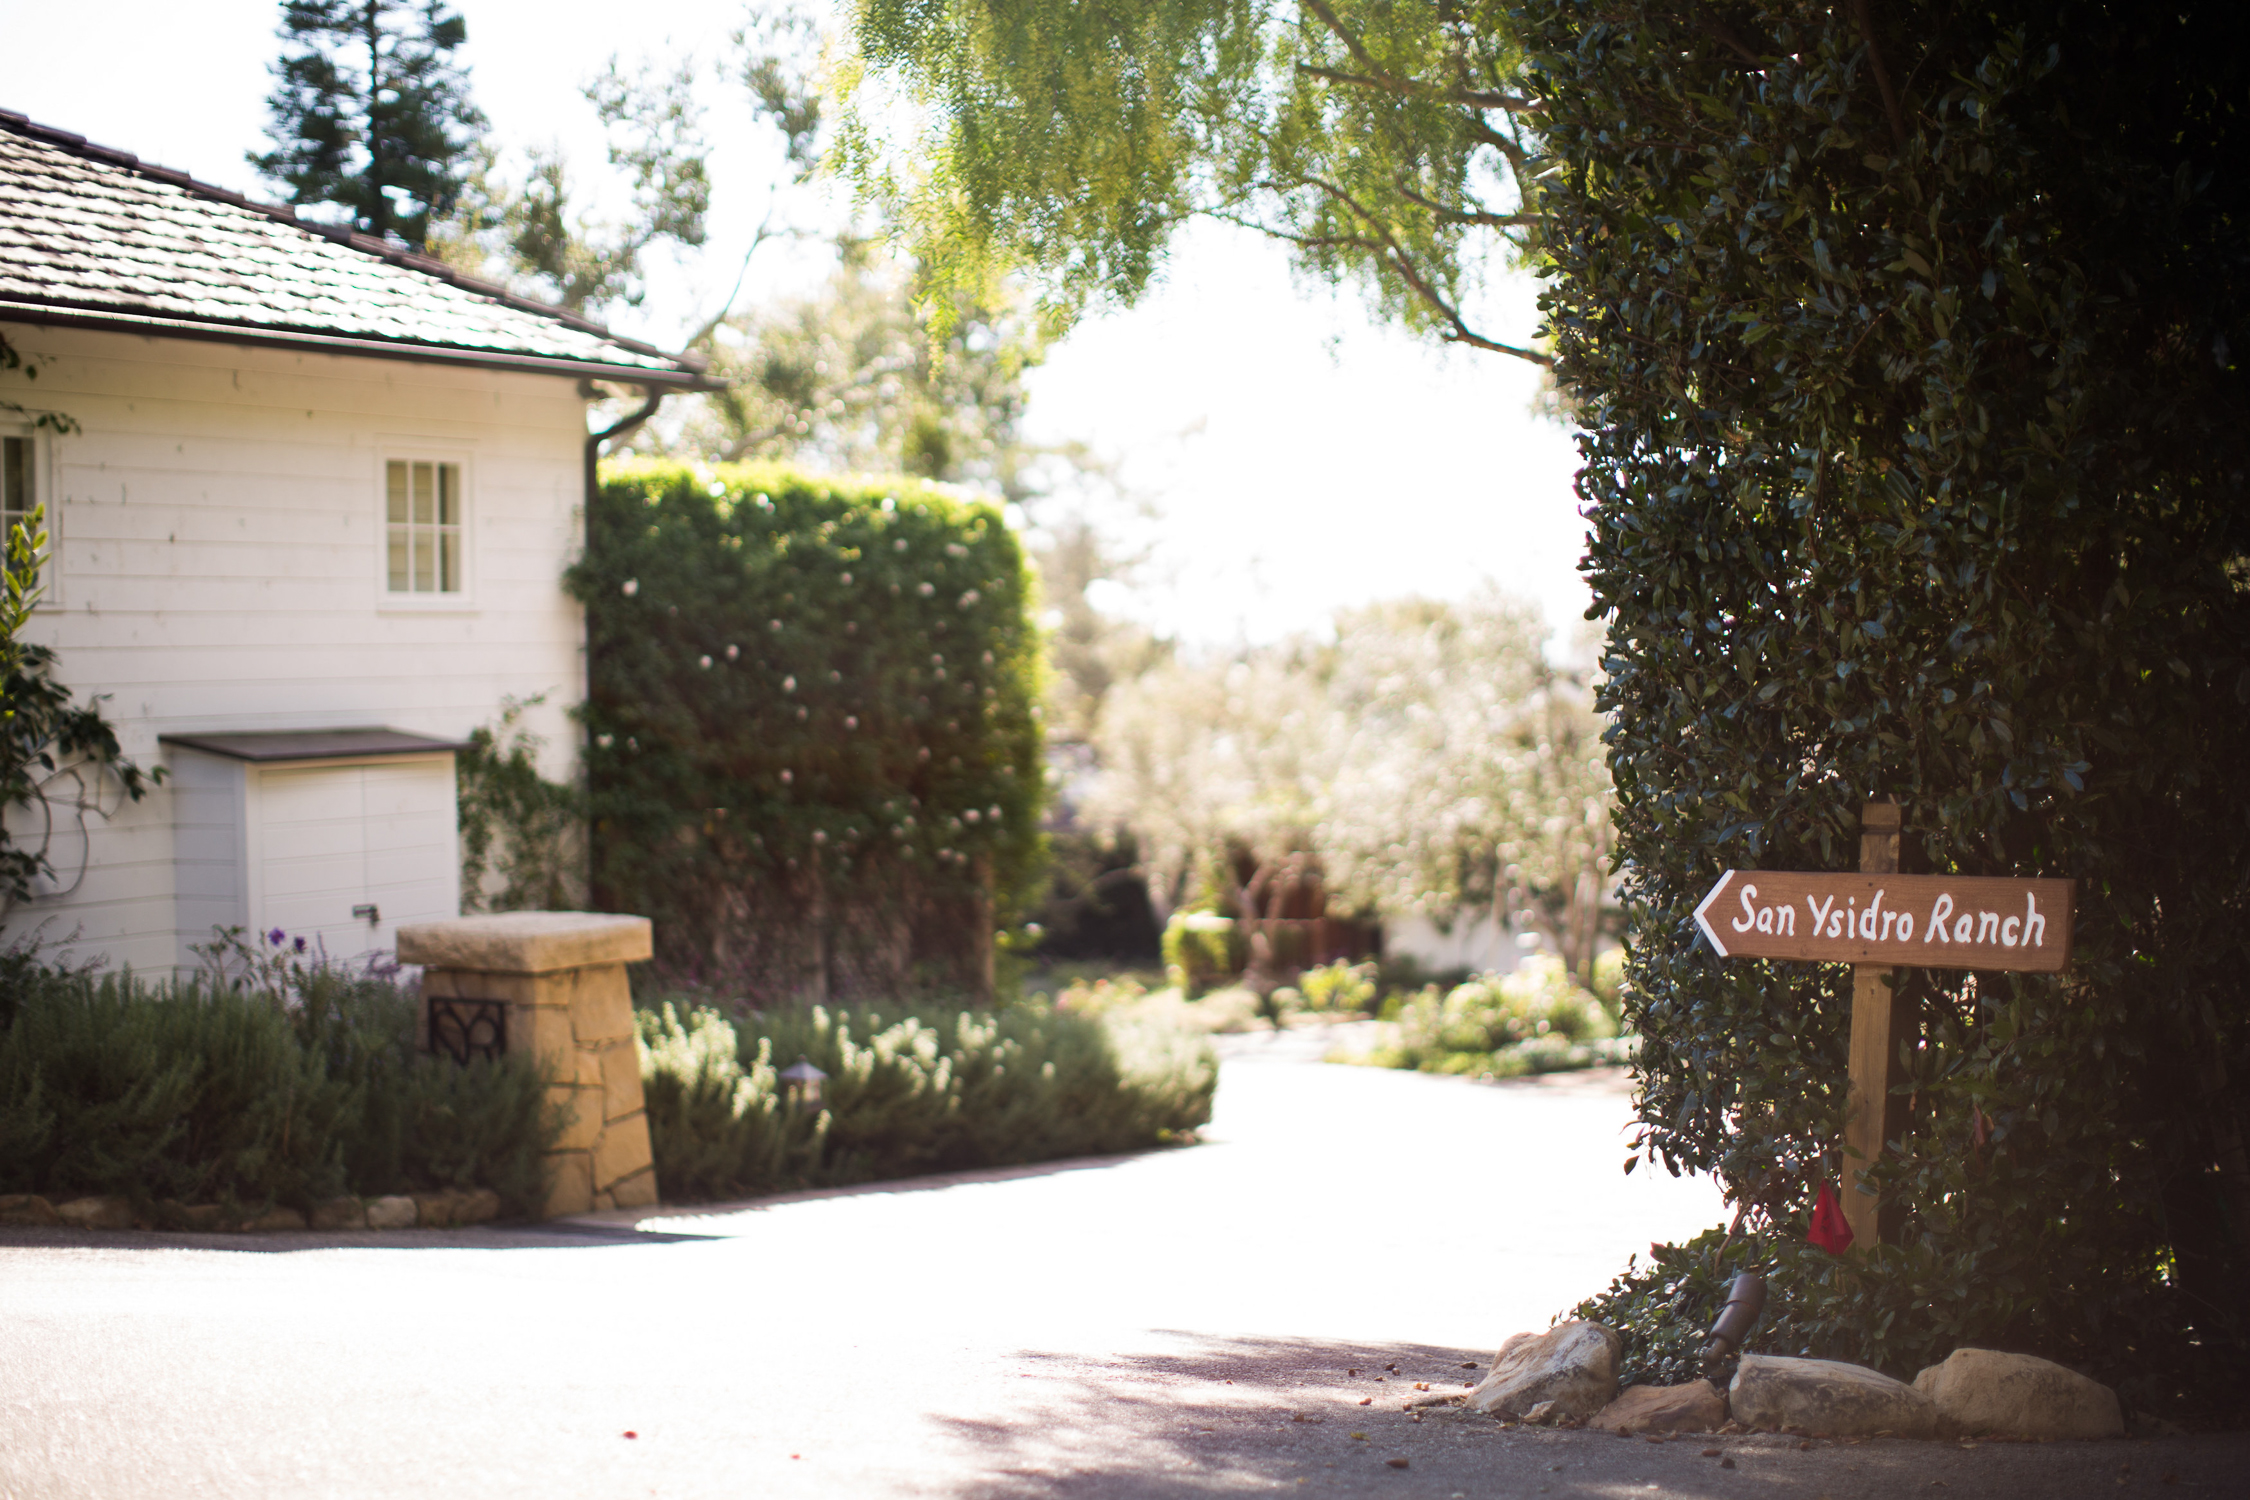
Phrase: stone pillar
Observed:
(562, 977)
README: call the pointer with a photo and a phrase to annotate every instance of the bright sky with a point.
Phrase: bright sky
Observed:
(1300, 456)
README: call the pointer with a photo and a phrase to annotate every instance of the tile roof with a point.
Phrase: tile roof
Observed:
(92, 237)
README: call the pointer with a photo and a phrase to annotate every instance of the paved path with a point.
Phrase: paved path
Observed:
(1147, 1326)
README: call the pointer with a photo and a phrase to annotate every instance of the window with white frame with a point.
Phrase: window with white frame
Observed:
(422, 510)
(19, 486)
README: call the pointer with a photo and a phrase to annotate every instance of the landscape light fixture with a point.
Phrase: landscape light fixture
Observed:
(801, 1084)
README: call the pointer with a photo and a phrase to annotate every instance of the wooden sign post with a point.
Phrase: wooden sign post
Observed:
(1879, 921)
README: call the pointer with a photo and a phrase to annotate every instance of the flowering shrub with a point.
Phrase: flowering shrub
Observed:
(1535, 1020)
(909, 1090)
(815, 757)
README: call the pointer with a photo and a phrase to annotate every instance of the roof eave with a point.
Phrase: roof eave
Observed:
(675, 379)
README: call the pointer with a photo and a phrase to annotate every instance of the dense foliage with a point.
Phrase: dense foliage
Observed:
(909, 1090)
(284, 1083)
(1907, 341)
(814, 751)
(1381, 138)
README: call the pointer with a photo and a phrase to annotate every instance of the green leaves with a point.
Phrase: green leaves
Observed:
(808, 697)
(1908, 475)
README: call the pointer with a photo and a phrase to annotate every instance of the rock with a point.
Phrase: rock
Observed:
(396, 1211)
(2019, 1395)
(1828, 1397)
(27, 1208)
(1694, 1407)
(274, 1221)
(480, 1206)
(1571, 1368)
(437, 1210)
(339, 1213)
(173, 1214)
(96, 1213)
(1541, 1415)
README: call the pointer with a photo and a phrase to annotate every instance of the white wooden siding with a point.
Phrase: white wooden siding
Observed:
(218, 519)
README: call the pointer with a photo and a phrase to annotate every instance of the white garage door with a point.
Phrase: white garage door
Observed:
(345, 853)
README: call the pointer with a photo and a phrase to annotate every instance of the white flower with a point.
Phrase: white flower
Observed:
(925, 589)
(971, 597)
(704, 662)
(789, 684)
(630, 587)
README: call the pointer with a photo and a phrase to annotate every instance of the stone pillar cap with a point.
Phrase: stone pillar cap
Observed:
(526, 942)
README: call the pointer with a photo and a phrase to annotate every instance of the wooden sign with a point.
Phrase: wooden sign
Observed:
(1880, 921)
(1915, 921)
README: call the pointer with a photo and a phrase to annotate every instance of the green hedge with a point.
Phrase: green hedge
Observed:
(911, 1090)
(815, 757)
(1907, 345)
(209, 1094)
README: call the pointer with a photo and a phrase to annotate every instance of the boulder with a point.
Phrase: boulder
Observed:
(1694, 1407)
(477, 1206)
(1828, 1397)
(396, 1211)
(339, 1213)
(439, 1210)
(202, 1216)
(96, 1213)
(1571, 1369)
(27, 1208)
(275, 1220)
(1982, 1391)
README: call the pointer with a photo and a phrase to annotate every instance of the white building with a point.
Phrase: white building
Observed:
(309, 519)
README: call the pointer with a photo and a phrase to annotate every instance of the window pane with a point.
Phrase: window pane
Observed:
(400, 583)
(448, 482)
(394, 501)
(449, 561)
(425, 571)
(422, 488)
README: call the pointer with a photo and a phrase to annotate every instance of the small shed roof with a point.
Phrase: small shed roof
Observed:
(96, 238)
(260, 746)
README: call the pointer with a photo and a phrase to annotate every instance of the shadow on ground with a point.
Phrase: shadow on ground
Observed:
(1235, 1416)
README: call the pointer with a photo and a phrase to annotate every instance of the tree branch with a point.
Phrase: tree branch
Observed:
(1882, 74)
(1414, 88)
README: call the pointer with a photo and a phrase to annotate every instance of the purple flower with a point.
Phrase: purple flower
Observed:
(300, 945)
(274, 937)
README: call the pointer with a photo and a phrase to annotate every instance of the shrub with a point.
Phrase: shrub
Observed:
(1201, 949)
(234, 1094)
(910, 1090)
(1535, 1020)
(1338, 988)
(814, 752)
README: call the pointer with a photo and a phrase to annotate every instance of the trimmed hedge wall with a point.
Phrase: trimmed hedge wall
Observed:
(815, 756)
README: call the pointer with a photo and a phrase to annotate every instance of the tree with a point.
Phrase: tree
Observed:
(850, 378)
(531, 235)
(1220, 769)
(1384, 139)
(369, 113)
(1472, 773)
(1907, 343)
